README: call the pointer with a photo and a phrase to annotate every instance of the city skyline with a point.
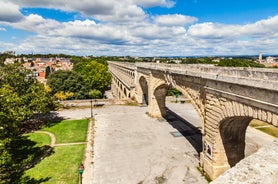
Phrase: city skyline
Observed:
(139, 27)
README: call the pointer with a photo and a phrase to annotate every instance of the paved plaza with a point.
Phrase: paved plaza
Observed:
(130, 147)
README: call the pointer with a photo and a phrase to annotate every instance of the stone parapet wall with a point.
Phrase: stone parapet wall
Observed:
(255, 77)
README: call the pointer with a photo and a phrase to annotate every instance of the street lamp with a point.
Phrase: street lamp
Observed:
(81, 169)
(91, 108)
(177, 95)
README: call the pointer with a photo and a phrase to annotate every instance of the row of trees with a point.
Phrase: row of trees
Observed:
(239, 63)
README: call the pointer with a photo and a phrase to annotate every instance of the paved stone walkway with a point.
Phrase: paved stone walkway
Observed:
(132, 148)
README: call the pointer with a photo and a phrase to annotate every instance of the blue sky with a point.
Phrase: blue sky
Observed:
(139, 27)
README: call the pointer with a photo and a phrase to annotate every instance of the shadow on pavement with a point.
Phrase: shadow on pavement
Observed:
(185, 129)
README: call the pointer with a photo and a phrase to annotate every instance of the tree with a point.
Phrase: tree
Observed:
(3, 58)
(61, 95)
(64, 82)
(47, 71)
(21, 96)
(95, 94)
(95, 74)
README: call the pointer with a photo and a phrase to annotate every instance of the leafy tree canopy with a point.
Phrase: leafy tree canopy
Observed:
(63, 83)
(238, 63)
(95, 74)
(95, 94)
(198, 61)
(20, 97)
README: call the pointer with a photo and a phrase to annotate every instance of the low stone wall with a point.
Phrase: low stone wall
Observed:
(259, 168)
(95, 102)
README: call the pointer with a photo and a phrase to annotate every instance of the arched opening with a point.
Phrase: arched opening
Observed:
(240, 140)
(144, 87)
(232, 131)
(125, 92)
(183, 116)
(160, 95)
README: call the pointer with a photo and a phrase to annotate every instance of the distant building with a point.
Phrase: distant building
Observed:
(260, 57)
(269, 59)
(38, 65)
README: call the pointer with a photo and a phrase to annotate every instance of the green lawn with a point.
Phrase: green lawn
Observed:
(264, 127)
(40, 138)
(269, 130)
(69, 131)
(61, 167)
(255, 123)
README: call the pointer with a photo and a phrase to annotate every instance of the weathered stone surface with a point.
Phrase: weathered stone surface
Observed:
(259, 168)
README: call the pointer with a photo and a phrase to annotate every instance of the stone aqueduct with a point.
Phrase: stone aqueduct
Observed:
(226, 99)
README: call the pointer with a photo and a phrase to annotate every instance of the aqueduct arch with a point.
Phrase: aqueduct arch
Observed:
(142, 91)
(227, 99)
(232, 131)
(157, 103)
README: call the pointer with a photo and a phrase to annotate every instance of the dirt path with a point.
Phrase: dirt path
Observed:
(51, 135)
(53, 140)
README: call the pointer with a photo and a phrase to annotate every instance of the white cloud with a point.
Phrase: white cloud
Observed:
(35, 23)
(152, 3)
(123, 13)
(265, 27)
(90, 30)
(87, 7)
(2, 29)
(174, 20)
(9, 12)
(151, 32)
(214, 31)
(122, 27)
(114, 10)
(211, 30)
